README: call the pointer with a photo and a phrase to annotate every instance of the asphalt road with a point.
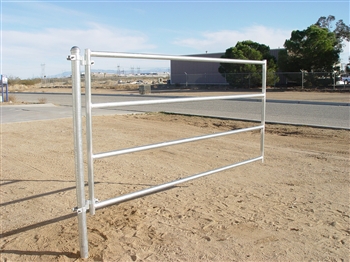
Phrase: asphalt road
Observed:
(322, 114)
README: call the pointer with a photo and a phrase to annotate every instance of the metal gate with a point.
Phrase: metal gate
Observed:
(92, 204)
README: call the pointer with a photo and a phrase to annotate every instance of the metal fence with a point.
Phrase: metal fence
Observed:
(306, 80)
(303, 80)
(92, 204)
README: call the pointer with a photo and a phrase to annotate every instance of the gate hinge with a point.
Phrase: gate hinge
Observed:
(81, 209)
(75, 57)
(84, 208)
(72, 57)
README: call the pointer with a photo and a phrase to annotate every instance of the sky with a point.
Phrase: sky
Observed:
(36, 36)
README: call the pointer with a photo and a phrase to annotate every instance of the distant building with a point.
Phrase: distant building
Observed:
(200, 73)
(182, 72)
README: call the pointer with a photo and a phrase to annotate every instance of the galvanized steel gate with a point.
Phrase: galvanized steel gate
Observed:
(91, 204)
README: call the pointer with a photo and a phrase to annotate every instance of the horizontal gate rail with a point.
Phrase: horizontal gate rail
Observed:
(92, 204)
(173, 100)
(174, 142)
(158, 188)
(179, 58)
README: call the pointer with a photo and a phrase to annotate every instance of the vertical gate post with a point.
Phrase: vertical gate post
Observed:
(90, 161)
(78, 151)
(263, 109)
(4, 84)
(2, 90)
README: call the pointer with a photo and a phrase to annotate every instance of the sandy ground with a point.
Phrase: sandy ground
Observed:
(292, 207)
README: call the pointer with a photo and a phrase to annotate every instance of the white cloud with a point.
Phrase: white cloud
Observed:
(219, 41)
(24, 52)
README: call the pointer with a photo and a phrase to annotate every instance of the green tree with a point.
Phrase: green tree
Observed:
(247, 75)
(316, 48)
(341, 31)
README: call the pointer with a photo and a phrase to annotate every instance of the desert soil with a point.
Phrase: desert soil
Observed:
(292, 207)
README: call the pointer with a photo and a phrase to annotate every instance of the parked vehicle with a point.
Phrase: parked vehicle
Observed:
(345, 79)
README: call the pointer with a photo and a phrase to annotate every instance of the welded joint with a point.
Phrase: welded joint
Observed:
(83, 62)
(95, 201)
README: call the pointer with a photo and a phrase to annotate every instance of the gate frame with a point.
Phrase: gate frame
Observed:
(92, 204)
(4, 84)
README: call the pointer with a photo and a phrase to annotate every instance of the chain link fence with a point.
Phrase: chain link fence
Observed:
(282, 80)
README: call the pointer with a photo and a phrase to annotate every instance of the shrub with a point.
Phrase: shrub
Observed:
(12, 98)
(42, 100)
(27, 82)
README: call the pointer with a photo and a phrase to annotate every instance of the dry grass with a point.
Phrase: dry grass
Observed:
(42, 100)
(13, 99)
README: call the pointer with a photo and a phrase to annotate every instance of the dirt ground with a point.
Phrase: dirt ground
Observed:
(292, 207)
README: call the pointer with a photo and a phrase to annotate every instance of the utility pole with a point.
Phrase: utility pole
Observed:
(43, 76)
(302, 77)
(42, 71)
